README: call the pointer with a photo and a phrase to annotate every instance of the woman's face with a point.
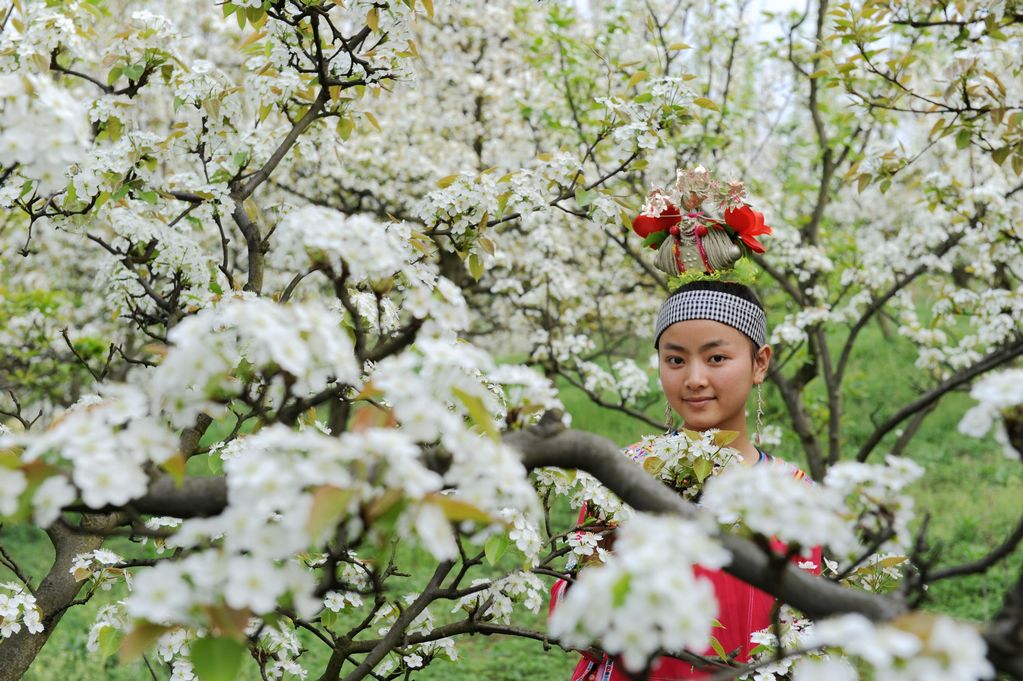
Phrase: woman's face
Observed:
(707, 371)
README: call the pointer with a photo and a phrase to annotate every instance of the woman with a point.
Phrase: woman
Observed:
(712, 350)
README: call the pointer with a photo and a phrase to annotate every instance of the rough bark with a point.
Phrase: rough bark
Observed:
(55, 594)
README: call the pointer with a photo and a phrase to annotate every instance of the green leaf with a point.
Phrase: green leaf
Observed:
(706, 103)
(723, 438)
(135, 71)
(345, 126)
(109, 641)
(1017, 164)
(636, 78)
(329, 506)
(148, 197)
(372, 120)
(862, 181)
(653, 465)
(475, 266)
(217, 659)
(621, 589)
(963, 138)
(718, 648)
(447, 181)
(71, 197)
(495, 547)
(175, 466)
(583, 197)
(121, 192)
(656, 239)
(999, 155)
(702, 469)
(139, 639)
(675, 47)
(457, 510)
(477, 411)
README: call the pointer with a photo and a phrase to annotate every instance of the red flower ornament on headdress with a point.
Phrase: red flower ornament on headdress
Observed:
(645, 225)
(748, 224)
(700, 227)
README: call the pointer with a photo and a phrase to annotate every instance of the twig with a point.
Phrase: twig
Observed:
(982, 565)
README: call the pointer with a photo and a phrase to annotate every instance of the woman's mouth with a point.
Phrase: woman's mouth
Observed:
(698, 401)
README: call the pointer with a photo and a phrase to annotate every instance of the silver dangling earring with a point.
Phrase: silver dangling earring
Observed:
(758, 438)
(669, 418)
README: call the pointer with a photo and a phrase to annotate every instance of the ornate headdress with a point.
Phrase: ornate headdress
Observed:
(693, 244)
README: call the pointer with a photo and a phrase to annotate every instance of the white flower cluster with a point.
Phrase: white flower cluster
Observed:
(524, 533)
(43, 128)
(99, 567)
(110, 619)
(601, 503)
(18, 608)
(280, 647)
(411, 656)
(879, 572)
(875, 498)
(685, 460)
(306, 341)
(793, 630)
(526, 394)
(358, 244)
(108, 439)
(916, 647)
(12, 484)
(355, 576)
(433, 390)
(173, 592)
(792, 329)
(496, 602)
(994, 393)
(638, 119)
(646, 597)
(768, 500)
(632, 382)
(466, 198)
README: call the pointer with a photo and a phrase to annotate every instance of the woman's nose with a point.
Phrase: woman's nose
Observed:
(696, 376)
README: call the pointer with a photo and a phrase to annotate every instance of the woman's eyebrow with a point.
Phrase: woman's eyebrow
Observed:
(716, 343)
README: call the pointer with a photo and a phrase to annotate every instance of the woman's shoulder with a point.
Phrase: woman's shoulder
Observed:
(794, 470)
(638, 451)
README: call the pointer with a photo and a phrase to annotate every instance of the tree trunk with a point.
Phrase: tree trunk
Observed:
(55, 594)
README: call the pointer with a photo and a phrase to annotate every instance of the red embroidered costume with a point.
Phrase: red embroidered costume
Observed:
(742, 610)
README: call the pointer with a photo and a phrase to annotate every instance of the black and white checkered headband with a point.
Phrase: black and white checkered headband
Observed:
(716, 306)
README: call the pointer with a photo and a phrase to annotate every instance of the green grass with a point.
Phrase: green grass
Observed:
(970, 491)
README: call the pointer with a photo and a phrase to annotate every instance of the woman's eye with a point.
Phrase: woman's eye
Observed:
(674, 361)
(717, 359)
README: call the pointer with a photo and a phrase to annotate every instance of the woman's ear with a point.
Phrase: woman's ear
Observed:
(761, 360)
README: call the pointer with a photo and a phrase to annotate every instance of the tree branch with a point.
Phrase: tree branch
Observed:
(993, 360)
(547, 445)
(982, 565)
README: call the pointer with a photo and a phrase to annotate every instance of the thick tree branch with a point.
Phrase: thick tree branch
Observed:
(601, 458)
(194, 498)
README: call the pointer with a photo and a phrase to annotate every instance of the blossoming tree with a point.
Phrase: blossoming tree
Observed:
(253, 253)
